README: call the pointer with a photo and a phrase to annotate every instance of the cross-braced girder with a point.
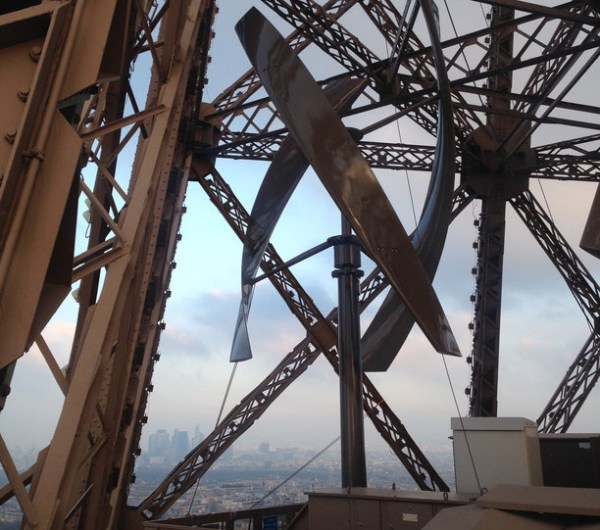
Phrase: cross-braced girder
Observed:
(93, 114)
(570, 395)
(582, 284)
(582, 375)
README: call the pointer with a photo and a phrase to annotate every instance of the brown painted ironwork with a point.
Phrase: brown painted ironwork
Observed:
(69, 111)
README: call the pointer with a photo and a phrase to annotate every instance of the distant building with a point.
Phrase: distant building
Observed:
(179, 446)
(158, 446)
(198, 437)
(263, 448)
(286, 454)
(166, 449)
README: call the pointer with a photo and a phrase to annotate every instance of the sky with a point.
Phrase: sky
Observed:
(543, 329)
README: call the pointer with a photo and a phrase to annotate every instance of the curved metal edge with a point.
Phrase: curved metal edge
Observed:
(393, 321)
(590, 239)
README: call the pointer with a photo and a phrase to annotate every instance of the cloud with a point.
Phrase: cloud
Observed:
(34, 396)
(178, 340)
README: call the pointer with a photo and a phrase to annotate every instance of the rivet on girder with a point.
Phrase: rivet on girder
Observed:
(23, 94)
(10, 136)
(35, 53)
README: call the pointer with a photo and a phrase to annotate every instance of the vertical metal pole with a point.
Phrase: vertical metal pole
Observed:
(486, 332)
(486, 337)
(347, 263)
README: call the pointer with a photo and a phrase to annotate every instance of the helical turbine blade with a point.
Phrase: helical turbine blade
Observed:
(332, 152)
(590, 239)
(393, 321)
(281, 179)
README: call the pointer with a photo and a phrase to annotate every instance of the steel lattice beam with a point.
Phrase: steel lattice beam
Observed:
(562, 51)
(380, 155)
(492, 224)
(81, 480)
(583, 373)
(583, 168)
(572, 391)
(486, 325)
(582, 284)
(238, 421)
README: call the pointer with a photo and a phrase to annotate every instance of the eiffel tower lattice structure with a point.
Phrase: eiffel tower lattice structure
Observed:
(116, 116)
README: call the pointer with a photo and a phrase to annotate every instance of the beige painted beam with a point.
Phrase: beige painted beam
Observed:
(70, 443)
(17, 484)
